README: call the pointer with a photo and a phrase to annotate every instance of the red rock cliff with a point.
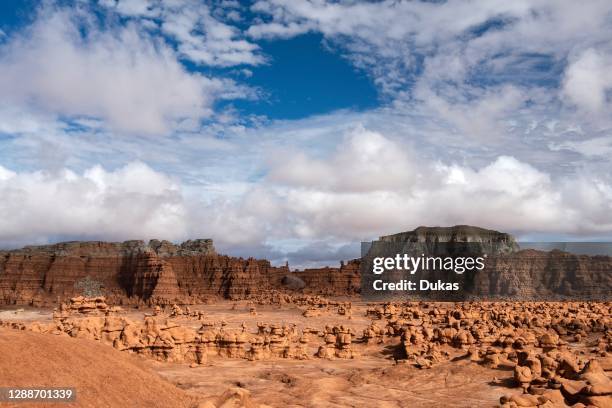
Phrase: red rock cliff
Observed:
(342, 281)
(130, 271)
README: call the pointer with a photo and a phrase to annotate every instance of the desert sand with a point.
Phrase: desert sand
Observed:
(181, 325)
(102, 376)
(309, 351)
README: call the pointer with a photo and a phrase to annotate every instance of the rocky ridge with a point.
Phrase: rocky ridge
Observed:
(455, 234)
(130, 272)
(510, 272)
(160, 272)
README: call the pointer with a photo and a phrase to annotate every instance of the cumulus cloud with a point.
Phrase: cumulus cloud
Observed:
(121, 75)
(131, 202)
(495, 114)
(364, 161)
(505, 193)
(369, 186)
(452, 57)
(588, 80)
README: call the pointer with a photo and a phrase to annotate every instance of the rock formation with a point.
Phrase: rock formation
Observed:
(130, 272)
(551, 353)
(509, 273)
(160, 272)
(457, 234)
(343, 281)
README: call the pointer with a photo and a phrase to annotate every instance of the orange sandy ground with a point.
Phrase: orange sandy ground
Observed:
(105, 377)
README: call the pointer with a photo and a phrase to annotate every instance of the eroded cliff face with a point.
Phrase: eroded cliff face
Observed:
(533, 275)
(342, 281)
(130, 272)
(485, 240)
(509, 271)
(161, 272)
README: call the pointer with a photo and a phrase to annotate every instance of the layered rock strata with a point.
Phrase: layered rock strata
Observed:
(342, 281)
(130, 272)
(510, 273)
(161, 272)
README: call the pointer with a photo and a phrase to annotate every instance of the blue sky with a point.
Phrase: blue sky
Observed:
(293, 130)
(310, 82)
(292, 85)
(15, 13)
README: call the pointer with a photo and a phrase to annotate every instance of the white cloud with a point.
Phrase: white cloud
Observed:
(364, 161)
(121, 75)
(591, 148)
(482, 115)
(428, 25)
(368, 186)
(205, 40)
(389, 188)
(17, 121)
(131, 202)
(492, 129)
(461, 53)
(201, 37)
(505, 194)
(140, 8)
(588, 80)
(6, 174)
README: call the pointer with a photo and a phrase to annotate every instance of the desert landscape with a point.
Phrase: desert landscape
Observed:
(305, 203)
(158, 324)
